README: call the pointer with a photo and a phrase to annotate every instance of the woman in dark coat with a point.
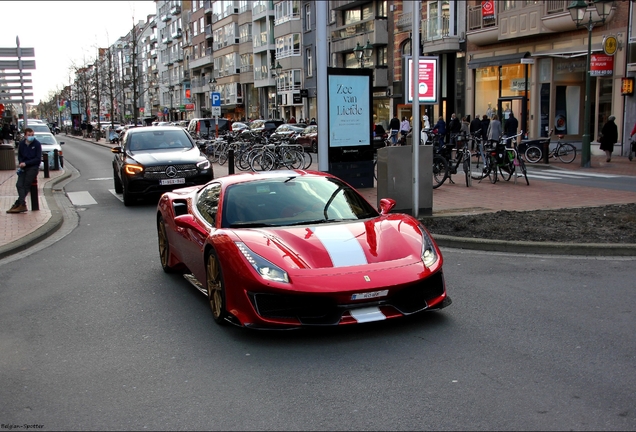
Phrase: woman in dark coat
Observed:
(609, 135)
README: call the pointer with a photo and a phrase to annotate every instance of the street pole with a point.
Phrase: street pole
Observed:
(586, 145)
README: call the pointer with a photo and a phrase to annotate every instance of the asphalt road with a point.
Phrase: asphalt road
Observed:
(95, 336)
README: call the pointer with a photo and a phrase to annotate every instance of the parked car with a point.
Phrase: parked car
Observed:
(206, 127)
(156, 160)
(49, 145)
(308, 138)
(298, 248)
(285, 131)
(267, 126)
(239, 126)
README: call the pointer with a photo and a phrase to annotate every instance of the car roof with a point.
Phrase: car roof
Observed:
(140, 129)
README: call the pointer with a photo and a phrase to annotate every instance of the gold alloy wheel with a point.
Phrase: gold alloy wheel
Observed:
(164, 247)
(215, 288)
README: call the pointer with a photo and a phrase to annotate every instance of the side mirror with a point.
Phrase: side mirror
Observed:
(386, 204)
(187, 221)
(61, 142)
(117, 149)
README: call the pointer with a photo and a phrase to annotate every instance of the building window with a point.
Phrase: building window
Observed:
(309, 64)
(286, 10)
(308, 17)
(288, 45)
(195, 28)
(382, 56)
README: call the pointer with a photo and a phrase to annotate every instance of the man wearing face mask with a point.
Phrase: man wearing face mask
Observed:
(29, 157)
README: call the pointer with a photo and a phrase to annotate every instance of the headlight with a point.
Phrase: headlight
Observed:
(429, 256)
(203, 165)
(264, 268)
(133, 169)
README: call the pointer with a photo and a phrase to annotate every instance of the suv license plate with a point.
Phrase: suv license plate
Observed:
(172, 181)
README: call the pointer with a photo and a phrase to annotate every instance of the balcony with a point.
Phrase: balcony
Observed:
(207, 6)
(204, 60)
(153, 38)
(176, 10)
(528, 20)
(344, 39)
(178, 56)
(405, 21)
(437, 35)
(263, 41)
(166, 40)
(177, 35)
(166, 17)
(208, 31)
(153, 53)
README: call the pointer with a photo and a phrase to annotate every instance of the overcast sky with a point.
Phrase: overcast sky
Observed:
(64, 33)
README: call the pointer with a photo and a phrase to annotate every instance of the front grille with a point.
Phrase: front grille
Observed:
(414, 298)
(307, 309)
(158, 172)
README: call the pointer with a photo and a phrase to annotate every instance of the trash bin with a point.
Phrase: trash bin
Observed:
(7, 157)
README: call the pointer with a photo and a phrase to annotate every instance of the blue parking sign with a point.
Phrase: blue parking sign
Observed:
(215, 99)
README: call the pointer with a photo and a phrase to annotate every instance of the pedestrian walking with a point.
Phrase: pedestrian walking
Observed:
(83, 127)
(89, 130)
(609, 135)
(313, 121)
(512, 124)
(29, 158)
(405, 126)
(6, 134)
(440, 128)
(485, 123)
(475, 130)
(394, 127)
(494, 129)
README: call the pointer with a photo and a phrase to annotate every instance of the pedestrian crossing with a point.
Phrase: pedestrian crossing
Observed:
(557, 174)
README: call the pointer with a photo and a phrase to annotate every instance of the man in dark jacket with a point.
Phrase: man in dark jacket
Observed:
(454, 126)
(394, 126)
(485, 122)
(511, 126)
(29, 157)
(475, 130)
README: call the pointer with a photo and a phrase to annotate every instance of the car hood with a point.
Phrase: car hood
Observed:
(173, 156)
(379, 240)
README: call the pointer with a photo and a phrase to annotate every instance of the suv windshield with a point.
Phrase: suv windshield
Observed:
(158, 139)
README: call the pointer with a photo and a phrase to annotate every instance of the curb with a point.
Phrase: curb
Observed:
(530, 247)
(52, 225)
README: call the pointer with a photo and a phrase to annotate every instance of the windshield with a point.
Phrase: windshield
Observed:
(158, 139)
(292, 201)
(45, 138)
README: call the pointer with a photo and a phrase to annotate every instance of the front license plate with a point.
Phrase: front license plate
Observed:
(172, 181)
(369, 295)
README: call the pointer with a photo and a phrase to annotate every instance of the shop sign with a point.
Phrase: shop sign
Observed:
(189, 107)
(517, 85)
(610, 45)
(488, 9)
(627, 86)
(297, 98)
(601, 65)
(426, 82)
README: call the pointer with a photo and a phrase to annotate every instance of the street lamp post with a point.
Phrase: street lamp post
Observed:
(363, 54)
(276, 73)
(170, 89)
(582, 16)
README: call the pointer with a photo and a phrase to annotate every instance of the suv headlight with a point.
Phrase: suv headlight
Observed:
(203, 165)
(133, 169)
(264, 268)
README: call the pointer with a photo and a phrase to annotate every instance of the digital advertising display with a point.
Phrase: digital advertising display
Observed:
(350, 113)
(426, 81)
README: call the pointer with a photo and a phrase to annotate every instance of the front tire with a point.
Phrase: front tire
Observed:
(164, 246)
(440, 171)
(128, 198)
(118, 187)
(216, 288)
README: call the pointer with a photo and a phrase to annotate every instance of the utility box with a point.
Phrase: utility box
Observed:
(395, 178)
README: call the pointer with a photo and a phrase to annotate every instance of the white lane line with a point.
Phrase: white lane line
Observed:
(120, 197)
(81, 198)
(100, 178)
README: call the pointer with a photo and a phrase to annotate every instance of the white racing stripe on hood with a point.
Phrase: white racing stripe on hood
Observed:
(342, 247)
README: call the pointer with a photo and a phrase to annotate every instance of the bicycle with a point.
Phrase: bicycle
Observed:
(566, 152)
(462, 156)
(502, 161)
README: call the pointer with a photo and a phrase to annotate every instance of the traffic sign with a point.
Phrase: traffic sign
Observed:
(216, 111)
(215, 99)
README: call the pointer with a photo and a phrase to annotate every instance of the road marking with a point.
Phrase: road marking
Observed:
(120, 197)
(81, 198)
(100, 178)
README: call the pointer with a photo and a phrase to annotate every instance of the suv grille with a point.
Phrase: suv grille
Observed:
(158, 172)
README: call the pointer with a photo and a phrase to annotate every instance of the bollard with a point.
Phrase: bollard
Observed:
(230, 161)
(62, 161)
(56, 159)
(45, 159)
(546, 151)
(35, 201)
